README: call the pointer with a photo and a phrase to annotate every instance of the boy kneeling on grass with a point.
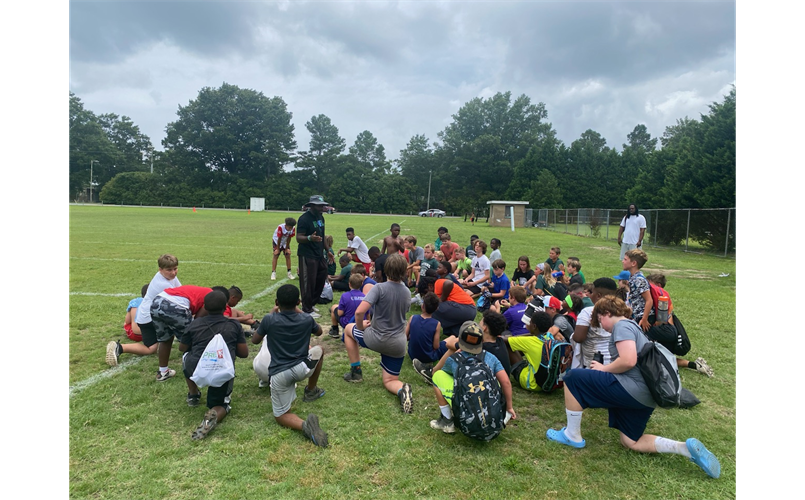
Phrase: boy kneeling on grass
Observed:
(193, 343)
(287, 330)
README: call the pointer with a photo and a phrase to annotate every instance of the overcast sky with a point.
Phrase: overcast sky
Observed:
(399, 69)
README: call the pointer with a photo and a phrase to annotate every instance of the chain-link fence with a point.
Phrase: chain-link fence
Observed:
(690, 229)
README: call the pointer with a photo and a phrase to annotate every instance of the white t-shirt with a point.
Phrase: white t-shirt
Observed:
(157, 285)
(479, 266)
(361, 250)
(495, 255)
(282, 235)
(631, 228)
(597, 341)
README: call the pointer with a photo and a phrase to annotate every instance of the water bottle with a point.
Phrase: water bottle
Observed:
(662, 309)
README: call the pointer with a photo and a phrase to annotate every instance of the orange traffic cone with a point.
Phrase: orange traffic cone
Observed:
(250, 211)
(194, 209)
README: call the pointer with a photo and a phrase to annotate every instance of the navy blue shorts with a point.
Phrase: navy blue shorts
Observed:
(390, 364)
(596, 389)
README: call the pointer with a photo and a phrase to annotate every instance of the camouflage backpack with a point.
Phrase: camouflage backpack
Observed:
(477, 400)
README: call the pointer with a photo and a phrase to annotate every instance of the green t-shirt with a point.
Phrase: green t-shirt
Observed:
(346, 271)
(464, 265)
(532, 348)
(428, 264)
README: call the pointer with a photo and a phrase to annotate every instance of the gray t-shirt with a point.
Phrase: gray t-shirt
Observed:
(631, 380)
(390, 302)
(416, 254)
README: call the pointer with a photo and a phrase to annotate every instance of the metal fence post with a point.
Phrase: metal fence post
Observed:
(566, 216)
(727, 243)
(578, 220)
(687, 232)
(607, 224)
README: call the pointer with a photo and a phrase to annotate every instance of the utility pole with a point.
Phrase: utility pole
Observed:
(90, 179)
(430, 174)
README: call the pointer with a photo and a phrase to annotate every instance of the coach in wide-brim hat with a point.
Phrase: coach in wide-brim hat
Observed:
(316, 199)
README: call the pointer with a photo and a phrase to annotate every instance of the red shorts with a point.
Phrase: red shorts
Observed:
(130, 334)
(367, 265)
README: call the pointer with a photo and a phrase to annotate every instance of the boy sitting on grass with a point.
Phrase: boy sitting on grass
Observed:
(470, 343)
(132, 330)
(343, 313)
(525, 355)
(424, 334)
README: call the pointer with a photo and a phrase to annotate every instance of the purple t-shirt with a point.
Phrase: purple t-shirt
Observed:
(348, 303)
(514, 319)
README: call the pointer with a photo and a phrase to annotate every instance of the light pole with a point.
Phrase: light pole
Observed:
(90, 179)
(430, 174)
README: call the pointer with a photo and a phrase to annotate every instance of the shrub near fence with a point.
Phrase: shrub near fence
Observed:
(692, 229)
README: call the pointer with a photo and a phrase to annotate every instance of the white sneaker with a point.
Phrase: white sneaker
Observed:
(314, 314)
(290, 276)
(273, 276)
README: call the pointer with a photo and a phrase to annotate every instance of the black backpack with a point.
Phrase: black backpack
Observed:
(658, 366)
(478, 409)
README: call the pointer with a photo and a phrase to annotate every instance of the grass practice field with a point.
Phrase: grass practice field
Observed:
(130, 435)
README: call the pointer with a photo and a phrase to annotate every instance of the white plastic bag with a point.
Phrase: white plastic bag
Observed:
(326, 294)
(261, 362)
(215, 368)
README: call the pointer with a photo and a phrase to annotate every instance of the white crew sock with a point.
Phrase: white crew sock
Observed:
(573, 429)
(665, 445)
(446, 411)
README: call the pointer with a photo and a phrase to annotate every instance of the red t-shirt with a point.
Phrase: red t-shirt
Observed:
(195, 294)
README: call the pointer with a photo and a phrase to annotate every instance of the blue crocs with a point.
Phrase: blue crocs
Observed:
(702, 457)
(560, 437)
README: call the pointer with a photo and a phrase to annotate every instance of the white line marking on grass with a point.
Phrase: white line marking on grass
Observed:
(104, 294)
(88, 382)
(94, 379)
(182, 262)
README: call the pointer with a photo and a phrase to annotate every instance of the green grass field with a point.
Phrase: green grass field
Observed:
(130, 435)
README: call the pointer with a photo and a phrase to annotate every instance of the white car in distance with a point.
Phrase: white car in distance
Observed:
(433, 212)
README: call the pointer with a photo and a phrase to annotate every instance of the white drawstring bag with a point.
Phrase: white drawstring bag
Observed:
(261, 362)
(215, 368)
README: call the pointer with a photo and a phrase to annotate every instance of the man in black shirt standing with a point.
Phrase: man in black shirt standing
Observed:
(311, 251)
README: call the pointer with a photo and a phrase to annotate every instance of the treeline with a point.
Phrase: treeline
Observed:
(230, 144)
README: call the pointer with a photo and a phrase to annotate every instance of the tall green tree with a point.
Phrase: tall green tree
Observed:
(485, 140)
(587, 171)
(415, 163)
(326, 145)
(369, 152)
(232, 130)
(91, 152)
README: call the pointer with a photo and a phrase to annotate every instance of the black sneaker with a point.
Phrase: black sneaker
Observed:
(354, 375)
(406, 398)
(313, 394)
(312, 431)
(424, 369)
(334, 332)
(193, 399)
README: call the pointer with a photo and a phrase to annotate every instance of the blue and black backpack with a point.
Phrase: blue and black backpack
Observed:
(478, 409)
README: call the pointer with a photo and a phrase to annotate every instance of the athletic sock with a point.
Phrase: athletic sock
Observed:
(573, 429)
(665, 445)
(163, 369)
(356, 366)
(446, 411)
